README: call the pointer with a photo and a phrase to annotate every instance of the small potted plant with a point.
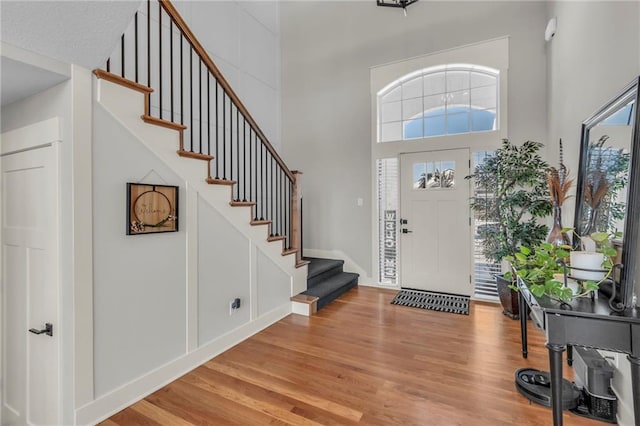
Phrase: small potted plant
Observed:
(545, 270)
(513, 197)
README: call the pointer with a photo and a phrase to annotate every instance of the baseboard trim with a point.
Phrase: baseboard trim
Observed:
(117, 400)
(486, 302)
(381, 286)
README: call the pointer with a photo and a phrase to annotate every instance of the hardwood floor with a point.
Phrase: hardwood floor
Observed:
(361, 360)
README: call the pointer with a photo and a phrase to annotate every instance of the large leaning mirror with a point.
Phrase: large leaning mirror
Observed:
(608, 185)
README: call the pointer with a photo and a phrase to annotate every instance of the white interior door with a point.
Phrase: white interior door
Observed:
(435, 240)
(30, 362)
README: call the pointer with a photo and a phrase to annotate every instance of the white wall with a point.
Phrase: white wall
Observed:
(594, 54)
(139, 280)
(327, 50)
(224, 273)
(243, 39)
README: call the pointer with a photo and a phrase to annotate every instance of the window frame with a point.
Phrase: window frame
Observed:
(493, 54)
(399, 83)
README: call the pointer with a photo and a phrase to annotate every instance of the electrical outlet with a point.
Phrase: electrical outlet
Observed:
(234, 305)
(611, 357)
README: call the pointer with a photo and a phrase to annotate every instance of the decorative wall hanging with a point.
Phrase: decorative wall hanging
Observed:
(396, 3)
(151, 208)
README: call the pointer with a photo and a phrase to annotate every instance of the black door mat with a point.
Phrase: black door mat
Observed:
(443, 302)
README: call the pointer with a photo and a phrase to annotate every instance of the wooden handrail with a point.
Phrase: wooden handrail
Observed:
(206, 59)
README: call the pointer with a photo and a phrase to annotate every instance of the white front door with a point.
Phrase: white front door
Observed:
(30, 362)
(435, 232)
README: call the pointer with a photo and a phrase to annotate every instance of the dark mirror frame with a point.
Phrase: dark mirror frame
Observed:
(630, 276)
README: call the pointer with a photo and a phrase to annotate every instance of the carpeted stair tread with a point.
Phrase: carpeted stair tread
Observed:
(331, 284)
(327, 281)
(323, 301)
(331, 288)
(319, 266)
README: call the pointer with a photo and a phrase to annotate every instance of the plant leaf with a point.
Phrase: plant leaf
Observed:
(537, 289)
(565, 293)
(599, 237)
(591, 286)
(552, 286)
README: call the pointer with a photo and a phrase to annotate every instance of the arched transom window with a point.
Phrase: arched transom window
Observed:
(437, 101)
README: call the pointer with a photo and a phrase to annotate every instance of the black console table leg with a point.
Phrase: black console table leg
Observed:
(522, 311)
(569, 355)
(555, 363)
(635, 386)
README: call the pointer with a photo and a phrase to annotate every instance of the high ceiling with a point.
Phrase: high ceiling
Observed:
(73, 32)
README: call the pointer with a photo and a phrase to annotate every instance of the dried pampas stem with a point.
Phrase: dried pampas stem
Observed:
(559, 182)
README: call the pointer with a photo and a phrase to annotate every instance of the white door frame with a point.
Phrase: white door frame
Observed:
(42, 134)
(492, 53)
(461, 171)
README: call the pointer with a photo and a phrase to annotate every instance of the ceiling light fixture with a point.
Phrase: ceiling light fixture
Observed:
(397, 3)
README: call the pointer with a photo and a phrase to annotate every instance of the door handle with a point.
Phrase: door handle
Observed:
(48, 330)
(405, 231)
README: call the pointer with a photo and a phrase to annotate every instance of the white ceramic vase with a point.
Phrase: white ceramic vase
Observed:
(586, 260)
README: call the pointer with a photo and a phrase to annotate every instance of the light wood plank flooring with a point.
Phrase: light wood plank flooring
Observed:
(361, 360)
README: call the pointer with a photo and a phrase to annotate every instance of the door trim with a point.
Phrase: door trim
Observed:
(40, 135)
(401, 244)
(33, 136)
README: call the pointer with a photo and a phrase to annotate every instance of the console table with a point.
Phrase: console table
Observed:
(583, 322)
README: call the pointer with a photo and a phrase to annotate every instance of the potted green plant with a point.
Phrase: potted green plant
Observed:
(545, 270)
(511, 198)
